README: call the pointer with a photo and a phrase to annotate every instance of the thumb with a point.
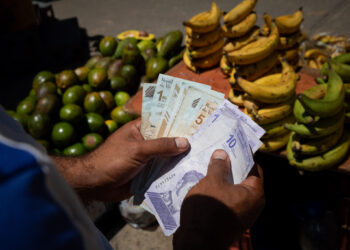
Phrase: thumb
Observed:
(164, 147)
(220, 166)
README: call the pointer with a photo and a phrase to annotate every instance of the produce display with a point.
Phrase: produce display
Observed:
(73, 111)
(318, 138)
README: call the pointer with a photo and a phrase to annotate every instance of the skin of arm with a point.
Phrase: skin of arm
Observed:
(106, 173)
(216, 212)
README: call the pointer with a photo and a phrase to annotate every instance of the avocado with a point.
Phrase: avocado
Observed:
(62, 134)
(92, 141)
(129, 73)
(92, 61)
(94, 103)
(74, 150)
(75, 95)
(170, 44)
(114, 68)
(48, 104)
(148, 54)
(155, 66)
(66, 78)
(131, 55)
(111, 126)
(146, 44)
(45, 89)
(25, 107)
(122, 44)
(82, 73)
(107, 98)
(108, 45)
(97, 78)
(39, 125)
(41, 77)
(120, 116)
(95, 122)
(138, 34)
(117, 83)
(71, 113)
(104, 63)
(175, 59)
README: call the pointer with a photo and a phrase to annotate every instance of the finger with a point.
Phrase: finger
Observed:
(220, 166)
(255, 177)
(163, 147)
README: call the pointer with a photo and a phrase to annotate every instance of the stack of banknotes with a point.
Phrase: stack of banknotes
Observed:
(175, 107)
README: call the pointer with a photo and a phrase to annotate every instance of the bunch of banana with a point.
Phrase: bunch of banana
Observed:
(334, 45)
(290, 35)
(203, 40)
(269, 101)
(318, 141)
(315, 58)
(239, 27)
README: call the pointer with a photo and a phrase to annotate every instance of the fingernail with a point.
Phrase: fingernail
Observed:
(181, 143)
(220, 155)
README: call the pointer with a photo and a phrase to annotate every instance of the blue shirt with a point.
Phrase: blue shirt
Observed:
(38, 209)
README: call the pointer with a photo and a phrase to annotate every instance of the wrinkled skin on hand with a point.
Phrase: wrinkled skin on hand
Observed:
(215, 212)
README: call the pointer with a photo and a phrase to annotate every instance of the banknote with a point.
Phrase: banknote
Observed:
(166, 194)
(148, 90)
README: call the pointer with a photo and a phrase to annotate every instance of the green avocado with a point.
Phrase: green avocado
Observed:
(155, 66)
(107, 45)
(114, 68)
(175, 59)
(121, 97)
(92, 61)
(26, 106)
(95, 122)
(104, 63)
(148, 54)
(146, 44)
(129, 73)
(117, 83)
(66, 78)
(131, 55)
(62, 134)
(171, 44)
(41, 77)
(74, 150)
(39, 125)
(82, 73)
(97, 78)
(48, 104)
(75, 95)
(92, 141)
(111, 126)
(94, 103)
(120, 116)
(107, 98)
(118, 52)
(45, 89)
(71, 113)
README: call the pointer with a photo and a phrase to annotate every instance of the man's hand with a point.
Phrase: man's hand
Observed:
(215, 212)
(106, 173)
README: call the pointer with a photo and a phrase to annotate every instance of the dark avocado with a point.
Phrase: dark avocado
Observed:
(41, 77)
(66, 78)
(94, 103)
(39, 125)
(74, 94)
(45, 89)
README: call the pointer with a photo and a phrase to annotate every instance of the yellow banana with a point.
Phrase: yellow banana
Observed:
(255, 70)
(205, 21)
(225, 65)
(289, 24)
(188, 62)
(240, 42)
(275, 143)
(203, 40)
(313, 64)
(273, 93)
(313, 53)
(236, 97)
(239, 12)
(259, 49)
(205, 51)
(233, 76)
(209, 61)
(272, 79)
(240, 29)
(277, 128)
(286, 42)
(291, 55)
(317, 145)
(320, 60)
(273, 112)
(265, 30)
